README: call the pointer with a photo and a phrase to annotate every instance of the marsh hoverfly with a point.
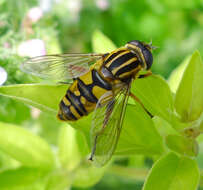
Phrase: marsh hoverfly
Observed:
(100, 84)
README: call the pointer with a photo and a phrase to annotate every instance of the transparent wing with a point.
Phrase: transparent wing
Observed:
(59, 67)
(107, 125)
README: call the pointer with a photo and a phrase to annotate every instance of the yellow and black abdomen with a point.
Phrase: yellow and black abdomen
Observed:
(82, 96)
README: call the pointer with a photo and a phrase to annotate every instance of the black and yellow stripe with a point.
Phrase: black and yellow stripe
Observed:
(82, 96)
(122, 64)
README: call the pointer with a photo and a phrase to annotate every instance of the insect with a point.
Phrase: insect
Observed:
(102, 88)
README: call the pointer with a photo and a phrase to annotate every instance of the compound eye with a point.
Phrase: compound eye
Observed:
(148, 58)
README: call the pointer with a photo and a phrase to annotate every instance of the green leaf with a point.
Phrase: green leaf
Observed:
(7, 162)
(68, 151)
(58, 180)
(84, 126)
(11, 111)
(87, 176)
(176, 75)
(70, 154)
(199, 157)
(27, 148)
(101, 43)
(134, 139)
(163, 127)
(19, 178)
(156, 96)
(139, 135)
(47, 97)
(42, 96)
(189, 96)
(182, 145)
(173, 172)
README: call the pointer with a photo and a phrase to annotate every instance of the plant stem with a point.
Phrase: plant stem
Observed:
(133, 173)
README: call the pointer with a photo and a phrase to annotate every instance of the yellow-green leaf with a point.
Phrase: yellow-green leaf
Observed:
(139, 135)
(101, 43)
(173, 172)
(19, 178)
(42, 96)
(70, 154)
(156, 96)
(189, 96)
(87, 176)
(58, 180)
(29, 149)
(176, 75)
(182, 145)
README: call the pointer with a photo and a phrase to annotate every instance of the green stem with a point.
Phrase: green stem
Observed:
(133, 173)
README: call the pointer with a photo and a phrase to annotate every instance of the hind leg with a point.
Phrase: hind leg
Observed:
(138, 100)
(145, 75)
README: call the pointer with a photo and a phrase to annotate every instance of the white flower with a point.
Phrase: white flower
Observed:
(34, 14)
(3, 75)
(102, 4)
(32, 48)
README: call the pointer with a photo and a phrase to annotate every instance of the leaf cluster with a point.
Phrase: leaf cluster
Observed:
(170, 137)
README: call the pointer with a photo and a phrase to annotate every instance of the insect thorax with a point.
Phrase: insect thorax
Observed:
(122, 64)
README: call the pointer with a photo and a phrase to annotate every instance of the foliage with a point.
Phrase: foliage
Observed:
(39, 152)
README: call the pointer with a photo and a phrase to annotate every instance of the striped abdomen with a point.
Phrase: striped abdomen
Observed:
(122, 64)
(82, 96)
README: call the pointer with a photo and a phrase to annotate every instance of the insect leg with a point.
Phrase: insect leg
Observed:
(138, 100)
(145, 75)
(61, 82)
(93, 149)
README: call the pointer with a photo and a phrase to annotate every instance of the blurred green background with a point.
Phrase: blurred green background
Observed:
(30, 28)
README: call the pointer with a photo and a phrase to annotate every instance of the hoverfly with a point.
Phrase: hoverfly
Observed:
(102, 87)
